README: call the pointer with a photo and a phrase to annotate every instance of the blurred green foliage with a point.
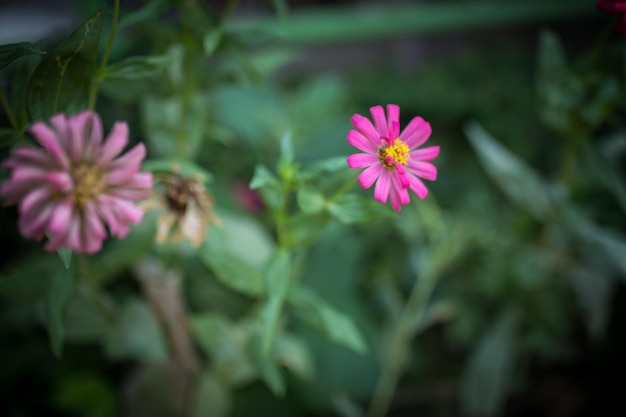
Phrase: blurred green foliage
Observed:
(321, 301)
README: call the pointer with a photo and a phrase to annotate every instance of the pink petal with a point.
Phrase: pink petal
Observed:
(28, 156)
(129, 193)
(398, 183)
(393, 116)
(105, 211)
(380, 121)
(416, 133)
(47, 138)
(361, 142)
(383, 186)
(92, 148)
(60, 218)
(114, 143)
(34, 224)
(24, 174)
(369, 175)
(13, 191)
(362, 160)
(132, 158)
(141, 180)
(363, 125)
(62, 181)
(92, 223)
(424, 170)
(77, 127)
(60, 126)
(73, 240)
(417, 186)
(425, 154)
(33, 199)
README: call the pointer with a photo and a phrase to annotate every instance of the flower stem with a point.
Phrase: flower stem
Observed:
(7, 109)
(105, 58)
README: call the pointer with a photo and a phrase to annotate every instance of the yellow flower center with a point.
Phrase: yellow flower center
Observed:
(396, 153)
(88, 183)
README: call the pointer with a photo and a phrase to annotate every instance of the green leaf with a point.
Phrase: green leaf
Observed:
(61, 82)
(302, 229)
(183, 167)
(310, 201)
(594, 291)
(60, 290)
(269, 371)
(136, 68)
(517, 180)
(294, 354)
(551, 53)
(337, 326)
(8, 137)
(354, 209)
(268, 184)
(28, 278)
(227, 345)
(277, 276)
(487, 375)
(12, 51)
(324, 167)
(232, 272)
(211, 41)
(212, 399)
(287, 155)
(66, 256)
(151, 10)
(135, 334)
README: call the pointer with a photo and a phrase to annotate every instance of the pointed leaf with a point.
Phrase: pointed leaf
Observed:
(60, 290)
(136, 68)
(354, 209)
(66, 256)
(517, 180)
(61, 82)
(277, 281)
(12, 51)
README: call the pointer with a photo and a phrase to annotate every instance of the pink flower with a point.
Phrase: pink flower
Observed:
(391, 159)
(617, 7)
(75, 185)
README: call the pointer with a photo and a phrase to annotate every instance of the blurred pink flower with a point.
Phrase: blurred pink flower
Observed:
(74, 185)
(617, 7)
(391, 158)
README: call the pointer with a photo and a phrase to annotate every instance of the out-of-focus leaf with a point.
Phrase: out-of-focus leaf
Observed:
(151, 10)
(29, 277)
(324, 167)
(287, 154)
(518, 181)
(84, 393)
(136, 67)
(211, 41)
(354, 209)
(487, 375)
(12, 51)
(8, 137)
(594, 292)
(302, 229)
(277, 276)
(269, 371)
(183, 167)
(60, 290)
(136, 335)
(62, 80)
(337, 326)
(175, 128)
(245, 238)
(309, 200)
(267, 183)
(294, 355)
(66, 256)
(607, 245)
(227, 343)
(89, 316)
(122, 254)
(232, 272)
(212, 399)
(559, 91)
(604, 171)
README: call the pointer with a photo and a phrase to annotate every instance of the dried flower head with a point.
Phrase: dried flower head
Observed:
(186, 207)
(75, 184)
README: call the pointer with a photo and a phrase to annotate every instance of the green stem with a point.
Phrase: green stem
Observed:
(398, 343)
(105, 58)
(8, 110)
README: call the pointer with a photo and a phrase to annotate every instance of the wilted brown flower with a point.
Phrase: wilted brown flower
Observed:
(187, 208)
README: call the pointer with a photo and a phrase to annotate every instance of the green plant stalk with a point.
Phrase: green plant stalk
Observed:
(7, 109)
(359, 23)
(402, 332)
(93, 94)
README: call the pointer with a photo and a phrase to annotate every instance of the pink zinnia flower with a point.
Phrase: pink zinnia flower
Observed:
(617, 7)
(74, 185)
(391, 158)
